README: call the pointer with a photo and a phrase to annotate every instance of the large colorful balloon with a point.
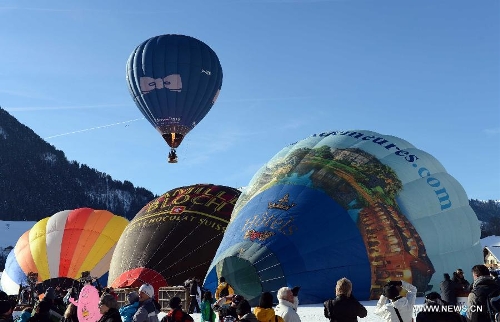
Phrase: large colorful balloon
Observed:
(353, 204)
(174, 81)
(174, 237)
(63, 246)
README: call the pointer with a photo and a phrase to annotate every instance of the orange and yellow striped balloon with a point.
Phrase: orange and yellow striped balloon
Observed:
(64, 245)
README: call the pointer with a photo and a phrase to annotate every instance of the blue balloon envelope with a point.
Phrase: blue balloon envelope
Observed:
(174, 81)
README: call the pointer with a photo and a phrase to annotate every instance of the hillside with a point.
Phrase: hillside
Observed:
(37, 180)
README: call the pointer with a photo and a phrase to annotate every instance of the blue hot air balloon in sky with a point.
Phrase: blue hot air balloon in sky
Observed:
(174, 81)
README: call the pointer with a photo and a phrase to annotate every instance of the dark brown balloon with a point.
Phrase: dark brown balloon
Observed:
(177, 234)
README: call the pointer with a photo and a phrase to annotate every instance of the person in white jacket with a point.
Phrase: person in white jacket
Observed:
(285, 307)
(391, 302)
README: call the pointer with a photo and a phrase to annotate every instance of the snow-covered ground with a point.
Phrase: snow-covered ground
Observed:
(314, 312)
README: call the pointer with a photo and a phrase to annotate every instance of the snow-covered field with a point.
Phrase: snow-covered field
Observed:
(314, 312)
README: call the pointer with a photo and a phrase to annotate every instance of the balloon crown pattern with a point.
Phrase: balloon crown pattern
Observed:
(281, 204)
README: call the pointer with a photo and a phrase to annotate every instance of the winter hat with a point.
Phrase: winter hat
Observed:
(50, 293)
(243, 308)
(174, 302)
(391, 291)
(433, 296)
(237, 299)
(147, 289)
(5, 306)
(295, 290)
(133, 297)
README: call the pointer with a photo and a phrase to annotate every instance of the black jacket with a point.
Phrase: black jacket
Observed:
(40, 317)
(483, 286)
(111, 316)
(434, 313)
(449, 291)
(6, 318)
(344, 309)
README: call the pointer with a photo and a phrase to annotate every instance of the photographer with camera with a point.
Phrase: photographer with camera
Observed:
(392, 307)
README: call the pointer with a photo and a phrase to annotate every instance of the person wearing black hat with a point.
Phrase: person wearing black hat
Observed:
(6, 311)
(176, 314)
(244, 311)
(392, 307)
(437, 310)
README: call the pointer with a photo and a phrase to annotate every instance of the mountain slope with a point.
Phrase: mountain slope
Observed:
(37, 180)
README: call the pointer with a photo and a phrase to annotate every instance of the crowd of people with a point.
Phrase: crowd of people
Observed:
(226, 306)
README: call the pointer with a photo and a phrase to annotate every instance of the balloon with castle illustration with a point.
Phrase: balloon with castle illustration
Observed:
(174, 81)
(355, 204)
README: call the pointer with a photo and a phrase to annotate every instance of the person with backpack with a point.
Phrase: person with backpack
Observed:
(176, 314)
(224, 290)
(392, 307)
(344, 307)
(483, 288)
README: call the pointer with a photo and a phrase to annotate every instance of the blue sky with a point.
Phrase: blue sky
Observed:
(426, 71)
